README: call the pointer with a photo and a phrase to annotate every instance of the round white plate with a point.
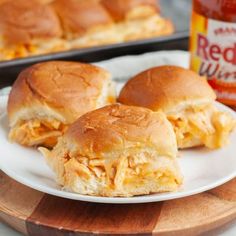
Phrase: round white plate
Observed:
(203, 169)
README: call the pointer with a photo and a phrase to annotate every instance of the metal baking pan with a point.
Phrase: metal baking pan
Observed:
(177, 11)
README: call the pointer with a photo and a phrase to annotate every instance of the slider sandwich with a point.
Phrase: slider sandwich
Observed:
(117, 150)
(186, 99)
(44, 26)
(131, 9)
(85, 22)
(49, 96)
(138, 19)
(28, 27)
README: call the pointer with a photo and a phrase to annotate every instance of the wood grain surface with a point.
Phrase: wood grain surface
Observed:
(37, 214)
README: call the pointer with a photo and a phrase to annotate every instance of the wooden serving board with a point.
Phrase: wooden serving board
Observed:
(38, 214)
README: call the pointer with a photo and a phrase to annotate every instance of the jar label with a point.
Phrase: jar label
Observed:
(213, 54)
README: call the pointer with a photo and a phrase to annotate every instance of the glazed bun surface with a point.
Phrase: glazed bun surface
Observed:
(60, 91)
(116, 127)
(130, 9)
(167, 88)
(79, 17)
(117, 150)
(22, 21)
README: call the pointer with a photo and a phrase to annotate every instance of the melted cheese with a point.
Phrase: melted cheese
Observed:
(36, 47)
(117, 173)
(37, 132)
(205, 125)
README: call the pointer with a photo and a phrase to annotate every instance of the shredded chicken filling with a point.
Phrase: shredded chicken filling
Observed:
(34, 48)
(34, 132)
(123, 171)
(206, 125)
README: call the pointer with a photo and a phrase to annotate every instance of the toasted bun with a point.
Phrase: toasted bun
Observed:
(130, 9)
(117, 150)
(117, 127)
(21, 21)
(78, 17)
(169, 88)
(60, 90)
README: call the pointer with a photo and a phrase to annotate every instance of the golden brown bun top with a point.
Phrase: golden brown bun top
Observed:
(117, 127)
(166, 88)
(78, 16)
(69, 88)
(120, 8)
(21, 21)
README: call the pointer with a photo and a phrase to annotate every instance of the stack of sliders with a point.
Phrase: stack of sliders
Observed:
(118, 149)
(44, 26)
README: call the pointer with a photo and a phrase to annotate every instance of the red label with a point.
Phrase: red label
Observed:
(213, 54)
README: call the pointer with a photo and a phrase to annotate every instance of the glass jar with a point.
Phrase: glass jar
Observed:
(213, 46)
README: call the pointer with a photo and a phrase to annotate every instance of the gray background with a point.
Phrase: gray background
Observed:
(179, 11)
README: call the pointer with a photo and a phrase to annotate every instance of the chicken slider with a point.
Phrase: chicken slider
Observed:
(131, 9)
(188, 101)
(79, 17)
(27, 27)
(49, 96)
(117, 150)
(138, 19)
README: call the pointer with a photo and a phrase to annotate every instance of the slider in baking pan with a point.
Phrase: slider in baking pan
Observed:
(33, 27)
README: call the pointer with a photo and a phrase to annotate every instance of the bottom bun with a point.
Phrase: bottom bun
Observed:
(155, 174)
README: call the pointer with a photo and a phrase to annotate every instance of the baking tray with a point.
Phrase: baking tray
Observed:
(177, 11)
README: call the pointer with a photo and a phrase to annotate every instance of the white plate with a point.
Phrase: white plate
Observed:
(203, 169)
